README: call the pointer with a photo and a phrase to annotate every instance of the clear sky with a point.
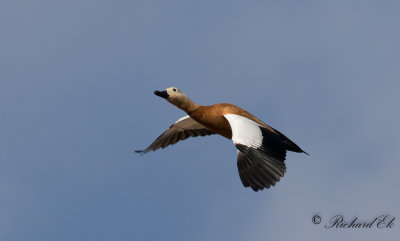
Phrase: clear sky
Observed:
(76, 98)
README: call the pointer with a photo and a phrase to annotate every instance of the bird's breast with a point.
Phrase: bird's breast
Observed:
(214, 121)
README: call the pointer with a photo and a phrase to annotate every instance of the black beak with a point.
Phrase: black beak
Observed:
(162, 94)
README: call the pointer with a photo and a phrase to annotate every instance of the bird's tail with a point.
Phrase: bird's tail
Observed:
(289, 144)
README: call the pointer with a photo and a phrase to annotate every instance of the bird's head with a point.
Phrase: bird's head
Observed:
(176, 97)
(172, 95)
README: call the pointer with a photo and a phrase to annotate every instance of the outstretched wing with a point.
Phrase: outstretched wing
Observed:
(261, 153)
(184, 128)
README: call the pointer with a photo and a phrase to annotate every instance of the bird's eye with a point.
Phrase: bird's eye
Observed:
(174, 90)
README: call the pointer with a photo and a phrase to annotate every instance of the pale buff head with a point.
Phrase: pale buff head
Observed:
(176, 97)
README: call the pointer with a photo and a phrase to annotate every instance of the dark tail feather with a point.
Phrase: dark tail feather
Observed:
(290, 145)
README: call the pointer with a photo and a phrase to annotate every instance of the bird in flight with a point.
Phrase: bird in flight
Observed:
(261, 150)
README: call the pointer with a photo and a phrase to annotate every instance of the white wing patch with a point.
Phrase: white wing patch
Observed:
(244, 131)
(181, 119)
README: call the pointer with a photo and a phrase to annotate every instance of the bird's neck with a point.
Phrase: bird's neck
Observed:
(188, 106)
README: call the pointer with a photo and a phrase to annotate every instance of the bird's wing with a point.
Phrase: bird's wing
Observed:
(261, 153)
(184, 128)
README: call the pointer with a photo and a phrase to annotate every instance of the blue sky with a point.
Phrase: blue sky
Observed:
(76, 83)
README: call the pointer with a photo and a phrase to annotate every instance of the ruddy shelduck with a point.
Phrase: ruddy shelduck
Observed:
(261, 150)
